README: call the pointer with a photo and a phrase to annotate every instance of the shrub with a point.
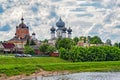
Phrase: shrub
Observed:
(94, 53)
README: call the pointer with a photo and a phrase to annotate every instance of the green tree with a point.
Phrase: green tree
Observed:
(83, 38)
(28, 50)
(116, 44)
(44, 48)
(93, 53)
(66, 43)
(95, 40)
(51, 49)
(56, 43)
(76, 40)
(45, 41)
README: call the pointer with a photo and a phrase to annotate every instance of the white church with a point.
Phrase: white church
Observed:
(61, 31)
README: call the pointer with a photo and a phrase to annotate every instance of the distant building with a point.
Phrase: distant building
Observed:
(61, 30)
(8, 47)
(22, 35)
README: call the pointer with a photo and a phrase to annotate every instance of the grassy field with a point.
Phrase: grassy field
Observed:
(14, 66)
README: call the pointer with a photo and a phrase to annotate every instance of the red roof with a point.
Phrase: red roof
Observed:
(8, 45)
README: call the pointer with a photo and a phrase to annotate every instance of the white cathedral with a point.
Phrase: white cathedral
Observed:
(61, 31)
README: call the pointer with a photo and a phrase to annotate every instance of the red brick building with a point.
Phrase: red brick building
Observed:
(21, 35)
(22, 31)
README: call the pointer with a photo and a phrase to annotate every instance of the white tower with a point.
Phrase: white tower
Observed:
(69, 32)
(52, 32)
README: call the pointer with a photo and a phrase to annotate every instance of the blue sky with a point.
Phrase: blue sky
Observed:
(85, 17)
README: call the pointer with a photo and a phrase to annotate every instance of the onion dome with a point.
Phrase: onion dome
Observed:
(33, 33)
(60, 23)
(22, 25)
(64, 29)
(16, 26)
(52, 29)
(22, 19)
(69, 30)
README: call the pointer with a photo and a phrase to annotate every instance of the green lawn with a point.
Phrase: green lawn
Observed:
(15, 66)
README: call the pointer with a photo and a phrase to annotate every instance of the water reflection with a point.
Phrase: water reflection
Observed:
(82, 76)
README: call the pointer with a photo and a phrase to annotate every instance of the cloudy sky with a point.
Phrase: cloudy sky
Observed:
(85, 17)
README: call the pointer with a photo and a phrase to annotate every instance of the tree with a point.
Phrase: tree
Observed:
(92, 53)
(116, 44)
(76, 39)
(56, 43)
(28, 50)
(95, 40)
(45, 41)
(32, 42)
(66, 43)
(83, 38)
(44, 48)
(51, 49)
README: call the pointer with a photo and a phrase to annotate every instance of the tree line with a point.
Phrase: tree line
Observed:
(93, 53)
(69, 51)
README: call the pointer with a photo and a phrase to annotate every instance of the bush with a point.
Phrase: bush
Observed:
(94, 53)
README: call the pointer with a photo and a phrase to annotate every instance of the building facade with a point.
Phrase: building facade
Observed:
(22, 35)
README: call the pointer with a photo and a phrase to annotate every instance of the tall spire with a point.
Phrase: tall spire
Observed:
(22, 19)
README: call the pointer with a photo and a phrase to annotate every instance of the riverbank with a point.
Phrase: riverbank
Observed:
(34, 75)
(11, 66)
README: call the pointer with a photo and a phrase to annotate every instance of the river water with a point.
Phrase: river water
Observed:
(81, 76)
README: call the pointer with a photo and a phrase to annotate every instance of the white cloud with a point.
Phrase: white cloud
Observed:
(81, 15)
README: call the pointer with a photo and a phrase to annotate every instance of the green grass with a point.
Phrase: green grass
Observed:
(15, 66)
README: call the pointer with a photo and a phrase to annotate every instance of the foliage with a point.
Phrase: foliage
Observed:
(51, 49)
(94, 53)
(45, 48)
(95, 40)
(45, 41)
(117, 44)
(28, 50)
(83, 38)
(56, 43)
(76, 40)
(66, 43)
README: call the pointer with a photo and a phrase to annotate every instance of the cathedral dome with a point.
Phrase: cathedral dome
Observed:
(22, 25)
(64, 29)
(52, 29)
(69, 30)
(33, 33)
(60, 23)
